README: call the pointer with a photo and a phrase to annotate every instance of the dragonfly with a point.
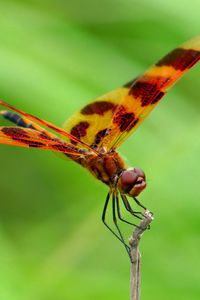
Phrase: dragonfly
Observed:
(91, 136)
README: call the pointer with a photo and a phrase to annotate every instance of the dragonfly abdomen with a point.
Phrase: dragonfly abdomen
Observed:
(17, 119)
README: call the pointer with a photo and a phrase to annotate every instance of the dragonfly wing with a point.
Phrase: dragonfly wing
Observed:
(143, 94)
(58, 130)
(110, 119)
(31, 138)
(91, 122)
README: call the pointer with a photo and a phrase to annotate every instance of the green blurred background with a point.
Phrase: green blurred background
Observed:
(54, 56)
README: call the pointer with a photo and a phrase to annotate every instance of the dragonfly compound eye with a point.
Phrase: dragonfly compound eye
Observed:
(132, 181)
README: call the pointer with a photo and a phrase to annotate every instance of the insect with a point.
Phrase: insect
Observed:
(92, 135)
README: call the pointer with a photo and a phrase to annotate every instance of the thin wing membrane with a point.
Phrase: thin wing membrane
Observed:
(30, 138)
(110, 119)
(90, 123)
(60, 131)
(145, 93)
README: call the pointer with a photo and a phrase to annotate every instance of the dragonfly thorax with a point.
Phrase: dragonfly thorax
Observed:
(110, 169)
(132, 181)
(106, 167)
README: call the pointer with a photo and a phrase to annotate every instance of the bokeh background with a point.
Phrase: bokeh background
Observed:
(54, 56)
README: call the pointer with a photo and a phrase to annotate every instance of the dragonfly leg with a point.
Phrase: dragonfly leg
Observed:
(116, 225)
(119, 212)
(104, 219)
(136, 214)
(139, 203)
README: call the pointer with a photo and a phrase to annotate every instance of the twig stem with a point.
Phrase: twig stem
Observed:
(135, 255)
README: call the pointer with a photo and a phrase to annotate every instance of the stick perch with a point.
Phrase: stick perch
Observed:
(135, 255)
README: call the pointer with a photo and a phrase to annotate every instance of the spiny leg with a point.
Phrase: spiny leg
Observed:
(116, 225)
(138, 202)
(119, 213)
(129, 208)
(104, 218)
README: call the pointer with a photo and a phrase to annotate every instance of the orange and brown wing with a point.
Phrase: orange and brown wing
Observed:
(90, 124)
(60, 131)
(30, 138)
(145, 93)
(110, 119)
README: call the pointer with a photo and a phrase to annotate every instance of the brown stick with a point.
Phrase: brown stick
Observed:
(135, 255)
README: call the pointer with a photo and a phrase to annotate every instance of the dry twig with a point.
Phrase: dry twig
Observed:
(135, 255)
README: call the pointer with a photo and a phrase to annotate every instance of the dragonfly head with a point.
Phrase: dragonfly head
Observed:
(132, 181)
